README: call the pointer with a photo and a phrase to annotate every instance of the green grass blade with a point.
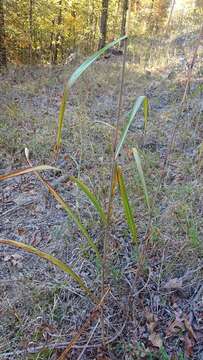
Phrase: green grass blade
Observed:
(140, 100)
(96, 203)
(80, 70)
(27, 171)
(61, 118)
(73, 78)
(61, 265)
(126, 206)
(72, 215)
(141, 175)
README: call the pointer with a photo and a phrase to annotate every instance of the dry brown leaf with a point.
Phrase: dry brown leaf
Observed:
(149, 316)
(17, 257)
(151, 326)
(175, 327)
(156, 340)
(188, 346)
(189, 329)
(21, 231)
(15, 260)
(173, 284)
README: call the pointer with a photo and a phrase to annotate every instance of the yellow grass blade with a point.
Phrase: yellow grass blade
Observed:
(72, 215)
(61, 265)
(61, 118)
(27, 171)
(141, 175)
(57, 196)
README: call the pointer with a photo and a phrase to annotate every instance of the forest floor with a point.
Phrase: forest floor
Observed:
(154, 309)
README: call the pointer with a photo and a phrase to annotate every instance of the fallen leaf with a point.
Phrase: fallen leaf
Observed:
(189, 329)
(175, 327)
(7, 258)
(150, 317)
(21, 231)
(155, 340)
(15, 260)
(17, 256)
(173, 284)
(152, 322)
(188, 346)
(151, 326)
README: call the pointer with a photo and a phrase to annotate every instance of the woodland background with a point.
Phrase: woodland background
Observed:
(41, 32)
(144, 265)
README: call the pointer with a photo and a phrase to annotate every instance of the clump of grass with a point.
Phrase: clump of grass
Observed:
(117, 179)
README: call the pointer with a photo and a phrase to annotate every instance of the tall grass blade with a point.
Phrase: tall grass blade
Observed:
(114, 181)
(61, 265)
(80, 70)
(126, 206)
(96, 203)
(26, 171)
(72, 215)
(61, 118)
(73, 78)
(58, 197)
(140, 100)
(141, 175)
(146, 112)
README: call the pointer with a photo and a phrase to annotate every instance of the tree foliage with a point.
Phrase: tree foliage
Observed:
(48, 31)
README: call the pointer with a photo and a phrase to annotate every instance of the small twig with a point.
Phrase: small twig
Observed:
(55, 346)
(17, 208)
(160, 270)
(135, 294)
(103, 123)
(88, 341)
(94, 314)
(191, 66)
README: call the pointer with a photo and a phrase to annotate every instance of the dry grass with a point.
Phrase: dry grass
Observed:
(38, 304)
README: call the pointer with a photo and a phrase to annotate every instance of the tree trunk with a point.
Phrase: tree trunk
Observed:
(3, 57)
(124, 17)
(51, 46)
(56, 48)
(30, 29)
(103, 24)
(150, 17)
(116, 18)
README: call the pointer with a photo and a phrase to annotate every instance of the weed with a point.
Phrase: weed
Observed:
(45, 354)
(117, 178)
(193, 233)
